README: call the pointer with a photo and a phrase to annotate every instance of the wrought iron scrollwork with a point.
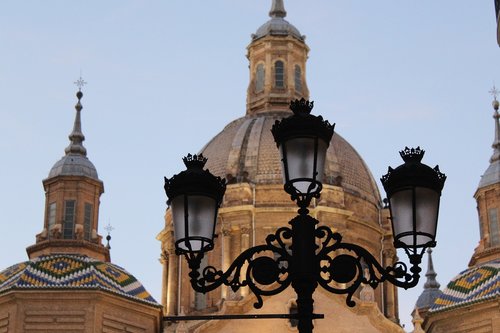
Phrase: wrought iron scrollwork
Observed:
(263, 274)
(344, 266)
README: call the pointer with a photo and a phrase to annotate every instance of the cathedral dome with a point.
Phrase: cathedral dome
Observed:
(73, 272)
(245, 151)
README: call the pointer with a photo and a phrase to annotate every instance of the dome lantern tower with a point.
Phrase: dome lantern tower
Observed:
(487, 200)
(72, 198)
(277, 56)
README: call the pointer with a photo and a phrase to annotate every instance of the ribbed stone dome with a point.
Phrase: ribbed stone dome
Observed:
(245, 151)
(277, 26)
(74, 165)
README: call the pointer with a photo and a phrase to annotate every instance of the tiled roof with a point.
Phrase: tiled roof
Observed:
(474, 285)
(63, 271)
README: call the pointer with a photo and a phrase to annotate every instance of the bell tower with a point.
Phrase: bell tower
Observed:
(488, 200)
(277, 56)
(72, 198)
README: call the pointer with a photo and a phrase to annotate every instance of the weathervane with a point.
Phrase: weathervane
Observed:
(80, 83)
(495, 92)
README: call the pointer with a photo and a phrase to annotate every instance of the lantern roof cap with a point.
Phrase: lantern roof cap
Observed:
(195, 181)
(302, 124)
(413, 173)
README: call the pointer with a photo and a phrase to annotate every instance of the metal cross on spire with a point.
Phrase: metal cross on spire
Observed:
(80, 83)
(108, 228)
(495, 92)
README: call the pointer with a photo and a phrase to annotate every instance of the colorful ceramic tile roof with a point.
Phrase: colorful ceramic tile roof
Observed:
(63, 271)
(474, 285)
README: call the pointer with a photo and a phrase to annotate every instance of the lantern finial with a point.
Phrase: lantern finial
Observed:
(412, 154)
(301, 106)
(194, 161)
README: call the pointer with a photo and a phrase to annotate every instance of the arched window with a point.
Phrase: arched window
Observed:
(298, 78)
(260, 74)
(279, 74)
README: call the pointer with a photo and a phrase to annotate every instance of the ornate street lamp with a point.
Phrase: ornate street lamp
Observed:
(414, 190)
(195, 196)
(302, 140)
(316, 254)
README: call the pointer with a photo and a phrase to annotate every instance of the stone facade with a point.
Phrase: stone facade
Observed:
(76, 311)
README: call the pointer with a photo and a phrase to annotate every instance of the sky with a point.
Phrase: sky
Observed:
(164, 77)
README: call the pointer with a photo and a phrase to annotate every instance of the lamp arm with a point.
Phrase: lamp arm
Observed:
(344, 266)
(264, 275)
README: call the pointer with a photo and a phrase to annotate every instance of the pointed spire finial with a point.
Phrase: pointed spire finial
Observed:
(277, 9)
(494, 91)
(496, 143)
(76, 137)
(431, 273)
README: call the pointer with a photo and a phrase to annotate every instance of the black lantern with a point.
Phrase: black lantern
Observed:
(195, 196)
(414, 191)
(302, 140)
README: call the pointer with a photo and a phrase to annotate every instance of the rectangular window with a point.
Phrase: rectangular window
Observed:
(298, 79)
(279, 74)
(494, 232)
(260, 76)
(51, 215)
(69, 219)
(87, 221)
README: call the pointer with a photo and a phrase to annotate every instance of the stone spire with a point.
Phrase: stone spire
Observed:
(492, 174)
(431, 287)
(76, 137)
(431, 273)
(488, 204)
(277, 9)
(417, 322)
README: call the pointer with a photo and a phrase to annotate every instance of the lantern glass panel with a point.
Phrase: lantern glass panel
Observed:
(201, 219)
(427, 206)
(402, 215)
(426, 212)
(300, 160)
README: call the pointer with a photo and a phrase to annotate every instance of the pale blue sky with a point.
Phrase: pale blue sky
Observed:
(165, 76)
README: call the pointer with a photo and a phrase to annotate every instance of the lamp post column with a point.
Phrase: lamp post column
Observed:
(304, 268)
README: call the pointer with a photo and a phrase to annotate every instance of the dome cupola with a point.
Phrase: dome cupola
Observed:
(72, 199)
(277, 56)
